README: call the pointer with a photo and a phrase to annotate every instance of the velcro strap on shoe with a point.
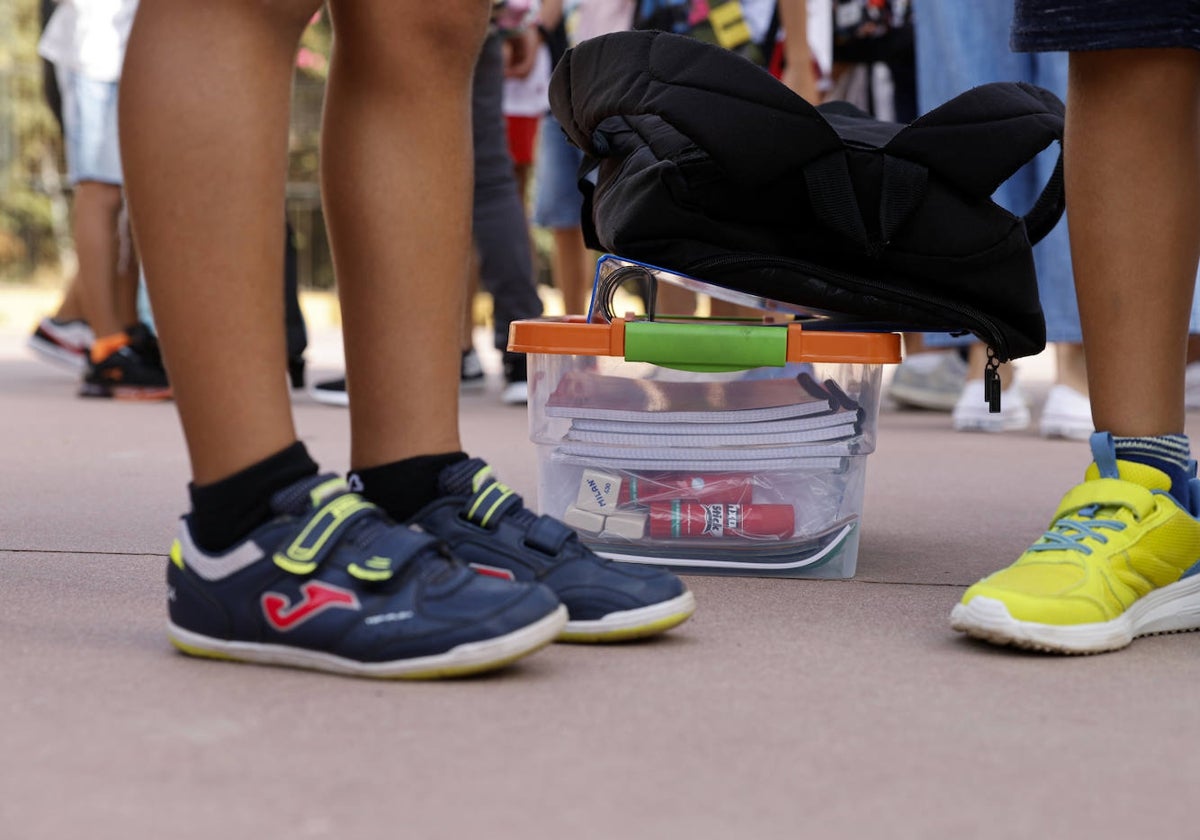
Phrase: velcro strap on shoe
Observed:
(491, 503)
(320, 532)
(1107, 493)
(547, 535)
(392, 549)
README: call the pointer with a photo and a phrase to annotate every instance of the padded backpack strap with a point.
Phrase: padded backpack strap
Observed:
(831, 187)
(978, 139)
(831, 194)
(1049, 207)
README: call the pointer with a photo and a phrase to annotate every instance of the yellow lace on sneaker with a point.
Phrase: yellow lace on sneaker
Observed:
(1111, 567)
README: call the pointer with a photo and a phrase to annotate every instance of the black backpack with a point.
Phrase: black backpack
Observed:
(708, 166)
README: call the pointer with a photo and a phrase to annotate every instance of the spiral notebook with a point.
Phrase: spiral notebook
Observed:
(589, 395)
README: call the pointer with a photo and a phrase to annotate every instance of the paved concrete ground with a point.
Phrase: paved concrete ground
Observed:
(784, 709)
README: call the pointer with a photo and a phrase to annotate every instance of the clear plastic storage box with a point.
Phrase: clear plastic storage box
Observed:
(706, 447)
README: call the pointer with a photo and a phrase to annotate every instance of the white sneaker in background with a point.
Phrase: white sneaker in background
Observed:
(515, 393)
(470, 371)
(971, 413)
(1067, 414)
(1191, 386)
(516, 375)
(931, 380)
(64, 343)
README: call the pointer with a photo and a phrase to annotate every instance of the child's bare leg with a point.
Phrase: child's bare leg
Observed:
(308, 552)
(396, 181)
(70, 308)
(125, 278)
(1133, 187)
(94, 227)
(1135, 233)
(573, 269)
(1070, 366)
(210, 236)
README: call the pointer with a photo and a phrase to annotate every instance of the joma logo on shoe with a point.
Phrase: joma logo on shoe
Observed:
(318, 597)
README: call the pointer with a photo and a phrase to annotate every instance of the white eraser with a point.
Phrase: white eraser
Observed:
(584, 520)
(625, 524)
(598, 491)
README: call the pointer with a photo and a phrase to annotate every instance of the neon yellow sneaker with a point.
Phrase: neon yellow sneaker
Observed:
(1118, 562)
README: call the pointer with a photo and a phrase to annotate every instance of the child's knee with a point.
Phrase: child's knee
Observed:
(99, 196)
(434, 39)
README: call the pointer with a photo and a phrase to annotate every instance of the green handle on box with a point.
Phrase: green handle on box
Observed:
(706, 347)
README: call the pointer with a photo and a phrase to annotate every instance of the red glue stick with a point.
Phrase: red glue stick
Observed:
(726, 488)
(680, 519)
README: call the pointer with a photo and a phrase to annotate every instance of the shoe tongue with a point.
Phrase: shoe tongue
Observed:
(1107, 465)
(306, 494)
(467, 477)
(1135, 473)
(443, 570)
(461, 479)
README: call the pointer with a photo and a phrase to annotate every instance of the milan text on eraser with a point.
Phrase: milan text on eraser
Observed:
(598, 491)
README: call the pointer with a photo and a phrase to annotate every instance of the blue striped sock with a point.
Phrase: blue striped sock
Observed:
(1169, 453)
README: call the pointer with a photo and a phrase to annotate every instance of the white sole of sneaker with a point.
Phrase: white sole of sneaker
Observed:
(338, 398)
(632, 624)
(1172, 609)
(58, 355)
(923, 398)
(1065, 427)
(992, 423)
(471, 658)
(515, 393)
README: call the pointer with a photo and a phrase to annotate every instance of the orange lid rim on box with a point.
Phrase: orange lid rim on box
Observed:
(573, 336)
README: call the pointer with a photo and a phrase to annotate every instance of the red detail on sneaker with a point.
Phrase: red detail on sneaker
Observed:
(285, 616)
(493, 571)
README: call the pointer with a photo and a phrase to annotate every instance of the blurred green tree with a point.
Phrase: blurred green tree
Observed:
(33, 229)
(34, 225)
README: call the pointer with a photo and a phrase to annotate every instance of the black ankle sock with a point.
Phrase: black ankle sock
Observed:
(404, 487)
(225, 511)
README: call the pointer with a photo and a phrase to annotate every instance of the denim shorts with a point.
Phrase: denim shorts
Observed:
(960, 45)
(557, 202)
(90, 129)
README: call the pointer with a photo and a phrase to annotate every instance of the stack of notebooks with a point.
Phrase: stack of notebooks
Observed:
(792, 422)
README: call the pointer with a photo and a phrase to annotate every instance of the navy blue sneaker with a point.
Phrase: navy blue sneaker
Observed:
(331, 583)
(487, 525)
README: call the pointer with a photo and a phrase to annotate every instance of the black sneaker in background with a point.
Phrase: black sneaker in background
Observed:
(330, 392)
(470, 371)
(145, 343)
(133, 372)
(295, 368)
(516, 380)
